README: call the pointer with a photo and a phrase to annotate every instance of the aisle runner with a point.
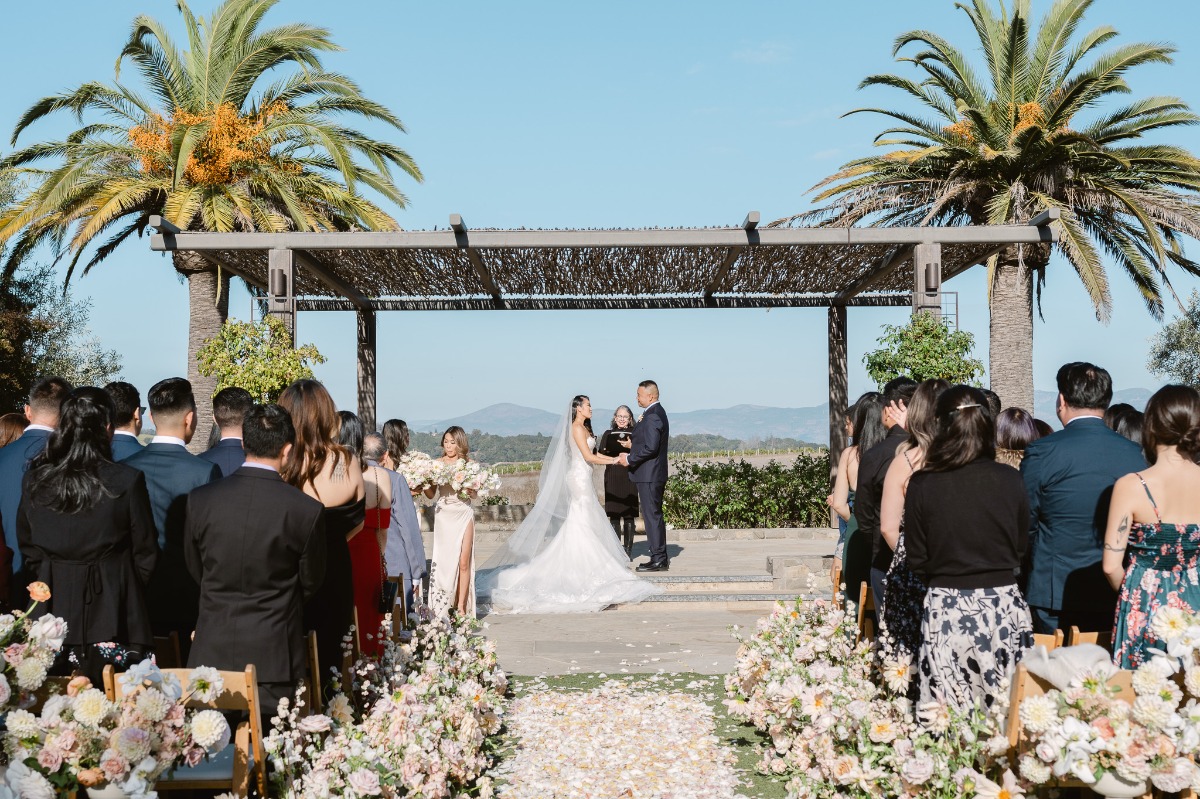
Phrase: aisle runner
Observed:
(615, 742)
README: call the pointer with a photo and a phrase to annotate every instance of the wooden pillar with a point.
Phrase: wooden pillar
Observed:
(367, 392)
(281, 295)
(839, 384)
(927, 279)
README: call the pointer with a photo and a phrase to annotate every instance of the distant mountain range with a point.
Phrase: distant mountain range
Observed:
(744, 422)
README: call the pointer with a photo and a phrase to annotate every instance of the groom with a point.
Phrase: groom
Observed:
(647, 462)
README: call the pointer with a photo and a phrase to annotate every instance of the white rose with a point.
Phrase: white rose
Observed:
(30, 673)
(364, 782)
(91, 707)
(917, 769)
(210, 730)
(50, 631)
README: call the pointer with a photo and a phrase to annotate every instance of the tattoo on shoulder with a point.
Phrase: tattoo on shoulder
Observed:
(1123, 527)
(339, 471)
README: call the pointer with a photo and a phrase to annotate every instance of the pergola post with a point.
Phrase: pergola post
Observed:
(367, 392)
(927, 279)
(281, 294)
(839, 383)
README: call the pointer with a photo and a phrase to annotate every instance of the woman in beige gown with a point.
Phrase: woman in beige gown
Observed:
(452, 576)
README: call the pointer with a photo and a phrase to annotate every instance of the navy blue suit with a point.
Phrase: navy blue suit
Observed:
(14, 460)
(227, 454)
(171, 474)
(648, 471)
(124, 446)
(1069, 477)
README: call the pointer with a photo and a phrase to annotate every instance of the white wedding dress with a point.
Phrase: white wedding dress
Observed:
(564, 558)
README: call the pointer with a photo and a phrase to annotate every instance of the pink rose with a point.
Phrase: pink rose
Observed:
(113, 765)
(50, 758)
(1104, 727)
(14, 653)
(193, 756)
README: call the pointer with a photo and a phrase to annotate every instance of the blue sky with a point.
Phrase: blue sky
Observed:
(617, 114)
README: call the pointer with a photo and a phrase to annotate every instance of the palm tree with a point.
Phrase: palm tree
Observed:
(209, 146)
(1000, 148)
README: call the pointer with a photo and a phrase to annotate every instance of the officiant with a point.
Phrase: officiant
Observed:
(620, 494)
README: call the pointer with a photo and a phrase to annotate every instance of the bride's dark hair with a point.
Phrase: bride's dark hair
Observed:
(575, 403)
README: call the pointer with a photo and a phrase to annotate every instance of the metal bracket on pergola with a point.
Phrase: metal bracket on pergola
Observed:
(656, 268)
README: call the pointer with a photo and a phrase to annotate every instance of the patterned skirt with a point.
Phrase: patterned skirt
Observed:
(903, 609)
(972, 642)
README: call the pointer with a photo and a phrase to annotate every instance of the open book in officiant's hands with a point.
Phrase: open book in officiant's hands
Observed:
(610, 442)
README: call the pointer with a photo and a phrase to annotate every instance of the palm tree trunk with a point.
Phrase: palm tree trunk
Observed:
(1010, 364)
(207, 312)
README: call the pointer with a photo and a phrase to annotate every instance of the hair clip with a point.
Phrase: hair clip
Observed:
(964, 406)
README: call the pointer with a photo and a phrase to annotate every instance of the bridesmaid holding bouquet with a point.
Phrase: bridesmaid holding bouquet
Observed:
(452, 577)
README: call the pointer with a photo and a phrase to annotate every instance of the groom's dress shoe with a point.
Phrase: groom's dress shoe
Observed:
(661, 566)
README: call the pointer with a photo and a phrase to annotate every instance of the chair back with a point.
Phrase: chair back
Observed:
(1051, 642)
(1026, 685)
(1078, 637)
(866, 603)
(314, 673)
(400, 610)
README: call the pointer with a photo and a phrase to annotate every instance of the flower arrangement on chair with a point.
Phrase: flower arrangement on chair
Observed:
(30, 647)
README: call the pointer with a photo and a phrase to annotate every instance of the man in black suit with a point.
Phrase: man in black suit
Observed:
(45, 399)
(1069, 476)
(872, 469)
(256, 545)
(647, 463)
(171, 474)
(229, 410)
(127, 419)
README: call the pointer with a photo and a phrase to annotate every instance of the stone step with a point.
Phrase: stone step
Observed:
(725, 596)
(686, 583)
(492, 536)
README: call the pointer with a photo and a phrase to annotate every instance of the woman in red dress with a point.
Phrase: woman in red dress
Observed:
(367, 546)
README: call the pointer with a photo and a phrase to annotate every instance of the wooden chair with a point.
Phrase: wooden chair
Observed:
(1051, 642)
(53, 686)
(314, 673)
(229, 770)
(167, 652)
(837, 584)
(400, 610)
(1078, 637)
(866, 602)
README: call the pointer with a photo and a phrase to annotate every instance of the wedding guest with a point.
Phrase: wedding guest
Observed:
(1114, 413)
(1044, 429)
(976, 625)
(405, 551)
(839, 471)
(904, 593)
(256, 546)
(1130, 426)
(993, 402)
(872, 469)
(127, 423)
(620, 494)
(229, 410)
(45, 399)
(452, 578)
(12, 425)
(329, 473)
(1069, 478)
(1162, 555)
(171, 474)
(1015, 430)
(86, 529)
(367, 545)
(852, 556)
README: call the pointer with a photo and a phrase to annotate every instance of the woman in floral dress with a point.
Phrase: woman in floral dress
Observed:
(1163, 555)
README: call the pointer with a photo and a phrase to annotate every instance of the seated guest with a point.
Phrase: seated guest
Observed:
(12, 425)
(966, 525)
(1069, 478)
(1163, 555)
(1113, 414)
(127, 421)
(1015, 430)
(255, 545)
(229, 409)
(171, 474)
(45, 398)
(86, 530)
(366, 546)
(403, 549)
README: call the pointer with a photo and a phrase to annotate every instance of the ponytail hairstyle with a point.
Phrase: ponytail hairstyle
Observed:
(965, 430)
(922, 421)
(1172, 419)
(65, 477)
(576, 403)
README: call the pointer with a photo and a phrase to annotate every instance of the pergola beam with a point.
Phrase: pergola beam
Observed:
(481, 271)
(607, 303)
(750, 225)
(168, 229)
(321, 272)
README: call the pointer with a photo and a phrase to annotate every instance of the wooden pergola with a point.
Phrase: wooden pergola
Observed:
(458, 269)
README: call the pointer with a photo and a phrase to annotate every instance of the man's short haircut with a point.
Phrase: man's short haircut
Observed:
(993, 401)
(230, 406)
(170, 398)
(650, 386)
(1085, 385)
(266, 430)
(373, 446)
(126, 400)
(899, 390)
(46, 395)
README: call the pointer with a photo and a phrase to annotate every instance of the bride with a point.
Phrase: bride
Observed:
(564, 557)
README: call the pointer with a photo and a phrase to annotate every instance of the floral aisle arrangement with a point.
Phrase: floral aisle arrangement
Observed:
(418, 470)
(30, 647)
(466, 478)
(416, 721)
(81, 739)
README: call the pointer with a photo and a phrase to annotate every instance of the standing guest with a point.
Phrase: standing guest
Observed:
(171, 474)
(1015, 431)
(45, 399)
(872, 468)
(405, 549)
(851, 558)
(966, 527)
(1163, 556)
(329, 473)
(127, 423)
(452, 586)
(229, 409)
(1043, 427)
(1113, 414)
(367, 545)
(839, 473)
(86, 529)
(904, 592)
(1130, 426)
(256, 546)
(1069, 477)
(12, 425)
(993, 402)
(620, 494)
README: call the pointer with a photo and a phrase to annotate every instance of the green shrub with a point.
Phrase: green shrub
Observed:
(737, 494)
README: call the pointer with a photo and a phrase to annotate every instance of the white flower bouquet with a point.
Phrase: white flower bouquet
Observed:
(30, 647)
(418, 470)
(466, 478)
